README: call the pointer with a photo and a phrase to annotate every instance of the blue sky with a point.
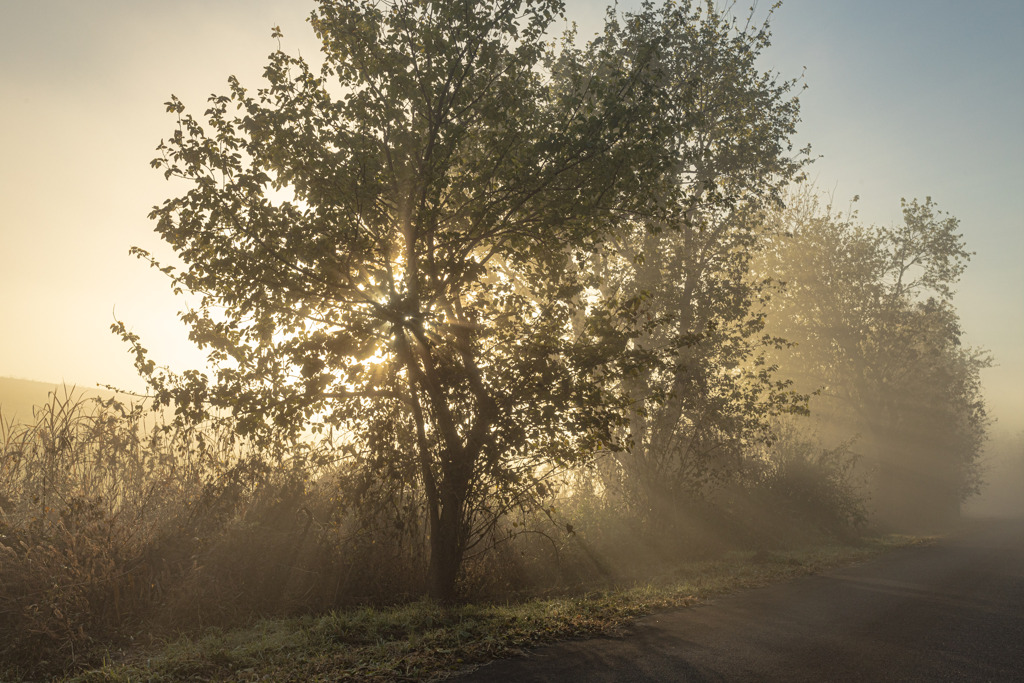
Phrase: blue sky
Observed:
(905, 98)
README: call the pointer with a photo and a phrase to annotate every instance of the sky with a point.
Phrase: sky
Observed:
(905, 98)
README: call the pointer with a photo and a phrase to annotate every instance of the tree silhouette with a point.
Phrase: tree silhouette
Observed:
(393, 246)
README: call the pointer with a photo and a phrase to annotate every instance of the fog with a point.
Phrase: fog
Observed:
(1002, 494)
(473, 314)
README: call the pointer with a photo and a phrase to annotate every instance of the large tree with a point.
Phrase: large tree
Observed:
(393, 245)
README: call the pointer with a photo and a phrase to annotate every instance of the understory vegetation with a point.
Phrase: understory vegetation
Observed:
(116, 531)
(489, 317)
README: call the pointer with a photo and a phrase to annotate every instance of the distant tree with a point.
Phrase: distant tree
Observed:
(871, 311)
(394, 246)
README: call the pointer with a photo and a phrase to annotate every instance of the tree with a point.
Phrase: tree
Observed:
(393, 246)
(877, 334)
(687, 266)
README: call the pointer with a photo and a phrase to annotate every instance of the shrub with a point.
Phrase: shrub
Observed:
(815, 482)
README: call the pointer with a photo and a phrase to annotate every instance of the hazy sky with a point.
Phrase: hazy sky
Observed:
(906, 98)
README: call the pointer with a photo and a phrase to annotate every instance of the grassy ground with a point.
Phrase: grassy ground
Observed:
(424, 641)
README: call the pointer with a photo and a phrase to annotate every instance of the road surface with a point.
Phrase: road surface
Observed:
(952, 611)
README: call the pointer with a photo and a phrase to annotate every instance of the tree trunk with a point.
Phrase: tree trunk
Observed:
(445, 554)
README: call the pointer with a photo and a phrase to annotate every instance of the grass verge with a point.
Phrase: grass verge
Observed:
(424, 641)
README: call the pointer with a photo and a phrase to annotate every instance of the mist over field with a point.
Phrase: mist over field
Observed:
(486, 313)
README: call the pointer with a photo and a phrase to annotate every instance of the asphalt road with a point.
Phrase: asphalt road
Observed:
(952, 611)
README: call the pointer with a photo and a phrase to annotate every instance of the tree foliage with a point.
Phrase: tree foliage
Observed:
(687, 266)
(878, 336)
(392, 246)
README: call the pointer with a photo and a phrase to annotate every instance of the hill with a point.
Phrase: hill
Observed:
(18, 397)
